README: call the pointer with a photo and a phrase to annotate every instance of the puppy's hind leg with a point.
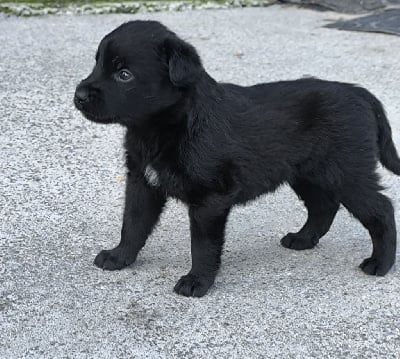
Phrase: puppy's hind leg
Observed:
(322, 207)
(375, 212)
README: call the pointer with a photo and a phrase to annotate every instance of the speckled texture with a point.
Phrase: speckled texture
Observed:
(61, 195)
(125, 7)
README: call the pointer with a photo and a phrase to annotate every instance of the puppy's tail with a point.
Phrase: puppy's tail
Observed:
(388, 154)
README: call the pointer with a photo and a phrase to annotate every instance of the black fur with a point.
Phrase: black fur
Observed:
(215, 145)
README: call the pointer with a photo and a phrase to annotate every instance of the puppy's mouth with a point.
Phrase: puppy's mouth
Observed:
(98, 119)
(94, 117)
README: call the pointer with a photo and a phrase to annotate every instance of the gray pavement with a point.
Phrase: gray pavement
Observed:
(61, 196)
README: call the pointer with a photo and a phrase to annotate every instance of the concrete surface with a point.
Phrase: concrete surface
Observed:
(62, 193)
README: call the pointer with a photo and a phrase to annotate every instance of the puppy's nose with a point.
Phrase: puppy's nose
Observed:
(82, 94)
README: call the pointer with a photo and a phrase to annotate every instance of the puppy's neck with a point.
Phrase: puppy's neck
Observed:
(183, 119)
(204, 104)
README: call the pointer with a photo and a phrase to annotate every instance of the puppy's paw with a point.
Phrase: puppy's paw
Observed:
(191, 285)
(295, 241)
(113, 259)
(374, 266)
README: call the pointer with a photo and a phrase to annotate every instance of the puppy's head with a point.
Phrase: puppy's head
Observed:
(142, 69)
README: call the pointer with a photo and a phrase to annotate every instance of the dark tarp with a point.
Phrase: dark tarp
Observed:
(346, 6)
(387, 22)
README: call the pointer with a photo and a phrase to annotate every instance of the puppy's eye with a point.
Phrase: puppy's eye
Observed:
(124, 75)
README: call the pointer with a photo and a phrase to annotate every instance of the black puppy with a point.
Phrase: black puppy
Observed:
(215, 145)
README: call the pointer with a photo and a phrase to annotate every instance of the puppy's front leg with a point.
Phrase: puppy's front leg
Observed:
(143, 206)
(207, 227)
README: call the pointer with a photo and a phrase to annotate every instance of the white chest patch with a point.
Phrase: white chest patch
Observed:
(151, 176)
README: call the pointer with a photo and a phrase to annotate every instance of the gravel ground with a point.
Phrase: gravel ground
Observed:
(61, 194)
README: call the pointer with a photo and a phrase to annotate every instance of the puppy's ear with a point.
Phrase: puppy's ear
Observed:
(184, 64)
